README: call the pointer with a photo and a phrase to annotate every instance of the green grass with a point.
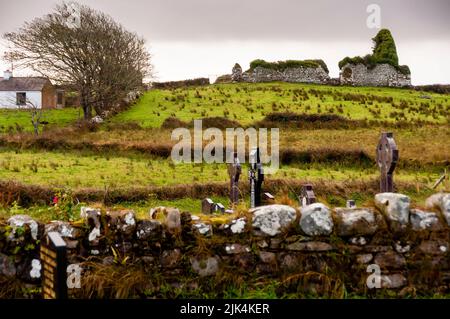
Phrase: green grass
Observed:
(247, 103)
(75, 171)
(11, 119)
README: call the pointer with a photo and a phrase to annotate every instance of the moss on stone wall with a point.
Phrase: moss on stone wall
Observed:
(283, 65)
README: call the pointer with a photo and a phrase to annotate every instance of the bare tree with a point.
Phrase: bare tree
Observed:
(36, 116)
(96, 55)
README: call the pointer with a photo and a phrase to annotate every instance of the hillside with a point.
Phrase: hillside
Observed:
(248, 103)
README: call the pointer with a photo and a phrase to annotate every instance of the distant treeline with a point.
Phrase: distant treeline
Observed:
(180, 84)
(435, 88)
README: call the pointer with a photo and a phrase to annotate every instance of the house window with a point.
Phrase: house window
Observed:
(21, 98)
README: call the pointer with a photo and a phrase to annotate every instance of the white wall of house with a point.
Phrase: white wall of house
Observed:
(8, 99)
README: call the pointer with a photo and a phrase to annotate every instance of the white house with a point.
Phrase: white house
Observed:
(15, 92)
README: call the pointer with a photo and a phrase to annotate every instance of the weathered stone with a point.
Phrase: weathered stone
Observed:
(356, 221)
(237, 249)
(122, 221)
(237, 226)
(108, 261)
(65, 229)
(26, 224)
(148, 230)
(360, 241)
(91, 215)
(440, 201)
(395, 207)
(170, 258)
(421, 220)
(316, 220)
(270, 220)
(310, 246)
(433, 247)
(390, 260)
(267, 257)
(380, 75)
(364, 258)
(297, 75)
(400, 248)
(244, 261)
(205, 266)
(173, 220)
(7, 267)
(377, 248)
(275, 243)
(236, 73)
(203, 229)
(393, 281)
(288, 262)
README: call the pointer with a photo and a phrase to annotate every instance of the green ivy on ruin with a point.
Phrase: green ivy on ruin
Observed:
(384, 52)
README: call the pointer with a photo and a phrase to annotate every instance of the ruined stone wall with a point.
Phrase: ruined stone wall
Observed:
(380, 75)
(409, 245)
(297, 75)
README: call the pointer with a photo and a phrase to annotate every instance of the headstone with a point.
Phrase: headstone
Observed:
(351, 203)
(268, 198)
(53, 254)
(234, 171)
(256, 177)
(219, 208)
(387, 157)
(208, 206)
(307, 196)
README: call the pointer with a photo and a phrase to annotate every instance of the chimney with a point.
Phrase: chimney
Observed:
(7, 75)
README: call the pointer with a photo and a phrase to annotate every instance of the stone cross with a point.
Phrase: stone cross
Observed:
(387, 157)
(53, 255)
(256, 177)
(234, 171)
(307, 195)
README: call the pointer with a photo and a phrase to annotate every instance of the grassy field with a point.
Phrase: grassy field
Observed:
(120, 156)
(14, 120)
(79, 171)
(247, 103)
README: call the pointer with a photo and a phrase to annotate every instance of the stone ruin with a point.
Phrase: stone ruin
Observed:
(299, 74)
(381, 75)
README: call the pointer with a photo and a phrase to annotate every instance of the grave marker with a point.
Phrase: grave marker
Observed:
(208, 206)
(256, 177)
(387, 157)
(234, 171)
(53, 255)
(307, 195)
(219, 208)
(268, 198)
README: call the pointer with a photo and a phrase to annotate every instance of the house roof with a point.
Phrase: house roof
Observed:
(23, 84)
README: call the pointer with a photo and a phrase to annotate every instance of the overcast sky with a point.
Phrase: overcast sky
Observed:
(194, 38)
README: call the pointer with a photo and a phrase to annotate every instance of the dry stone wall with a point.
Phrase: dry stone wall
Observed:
(410, 245)
(296, 75)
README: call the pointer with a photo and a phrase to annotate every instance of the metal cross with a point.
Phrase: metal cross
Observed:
(387, 157)
(234, 171)
(256, 177)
